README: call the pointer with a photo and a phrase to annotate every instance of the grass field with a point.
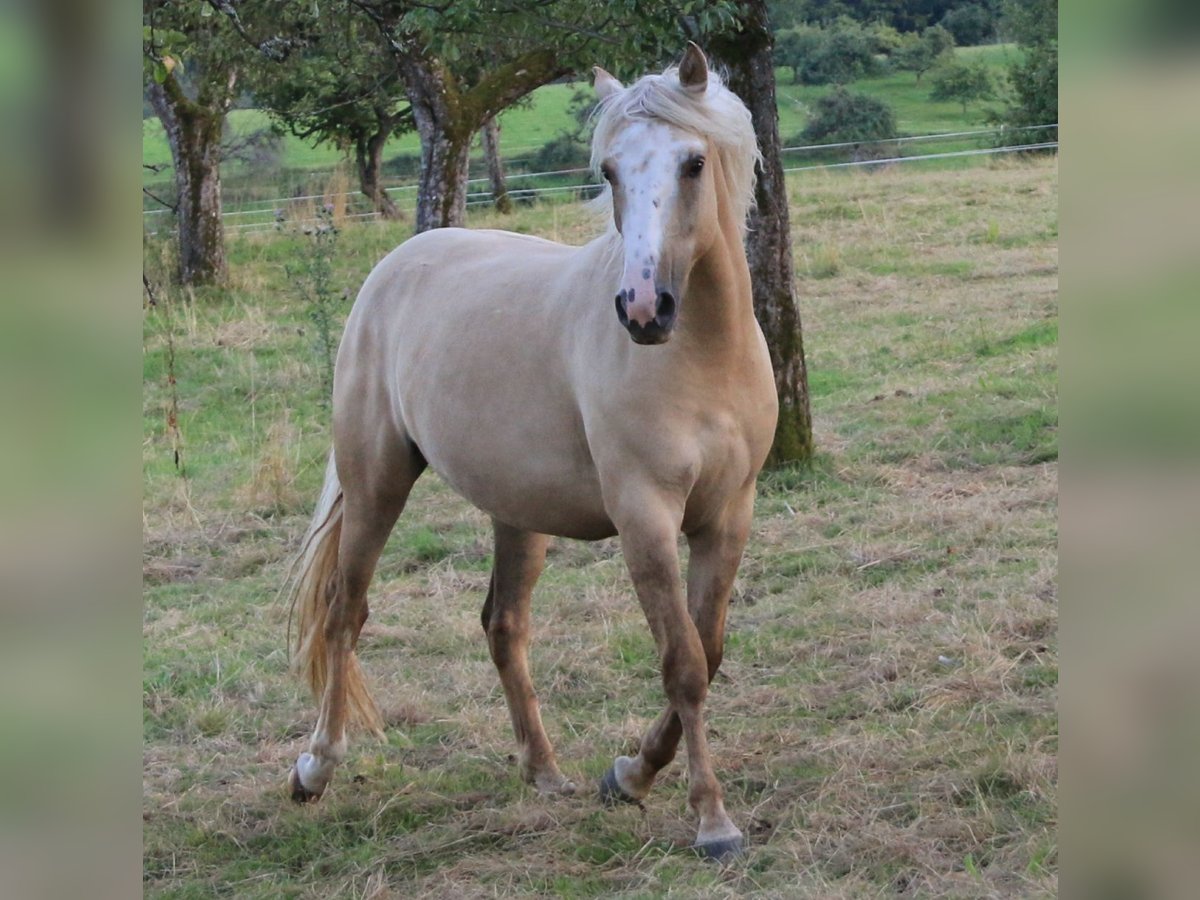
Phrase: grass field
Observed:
(885, 720)
(526, 128)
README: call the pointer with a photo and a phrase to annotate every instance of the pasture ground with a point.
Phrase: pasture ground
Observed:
(885, 720)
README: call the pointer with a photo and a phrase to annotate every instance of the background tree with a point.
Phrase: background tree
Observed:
(463, 63)
(194, 53)
(971, 25)
(190, 72)
(794, 47)
(919, 53)
(747, 53)
(342, 89)
(1034, 78)
(489, 136)
(963, 82)
(837, 54)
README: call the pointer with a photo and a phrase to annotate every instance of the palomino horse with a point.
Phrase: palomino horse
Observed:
(496, 359)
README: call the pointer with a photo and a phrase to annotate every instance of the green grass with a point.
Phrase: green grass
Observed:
(885, 719)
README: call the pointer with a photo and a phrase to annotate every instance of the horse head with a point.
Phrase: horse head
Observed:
(664, 175)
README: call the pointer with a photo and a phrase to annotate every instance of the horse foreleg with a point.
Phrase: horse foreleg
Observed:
(689, 634)
(716, 551)
(520, 556)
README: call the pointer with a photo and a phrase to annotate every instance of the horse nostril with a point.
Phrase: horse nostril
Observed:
(666, 306)
(622, 313)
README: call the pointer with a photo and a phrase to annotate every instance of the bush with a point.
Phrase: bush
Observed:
(971, 25)
(843, 116)
(562, 152)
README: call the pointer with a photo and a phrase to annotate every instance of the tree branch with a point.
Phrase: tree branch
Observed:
(173, 207)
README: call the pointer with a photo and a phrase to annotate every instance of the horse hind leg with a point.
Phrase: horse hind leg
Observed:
(520, 556)
(373, 498)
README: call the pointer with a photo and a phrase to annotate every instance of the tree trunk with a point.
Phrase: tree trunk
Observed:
(447, 117)
(194, 134)
(442, 186)
(747, 56)
(368, 156)
(491, 152)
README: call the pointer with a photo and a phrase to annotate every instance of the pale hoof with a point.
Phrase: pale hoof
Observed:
(611, 792)
(299, 793)
(555, 787)
(722, 851)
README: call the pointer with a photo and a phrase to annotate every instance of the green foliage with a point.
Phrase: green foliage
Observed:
(796, 46)
(941, 41)
(847, 116)
(920, 53)
(1034, 79)
(341, 89)
(963, 82)
(970, 25)
(1032, 23)
(885, 40)
(839, 54)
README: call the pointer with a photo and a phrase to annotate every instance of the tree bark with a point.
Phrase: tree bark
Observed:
(447, 117)
(193, 131)
(368, 156)
(442, 186)
(491, 152)
(747, 56)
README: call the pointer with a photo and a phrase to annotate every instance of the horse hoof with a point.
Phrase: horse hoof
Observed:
(300, 794)
(611, 793)
(722, 851)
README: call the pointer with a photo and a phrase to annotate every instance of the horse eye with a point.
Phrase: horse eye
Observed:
(607, 174)
(693, 167)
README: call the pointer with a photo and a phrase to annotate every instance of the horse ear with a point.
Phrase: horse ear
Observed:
(693, 71)
(605, 84)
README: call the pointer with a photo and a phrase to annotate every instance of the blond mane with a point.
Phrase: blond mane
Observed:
(718, 114)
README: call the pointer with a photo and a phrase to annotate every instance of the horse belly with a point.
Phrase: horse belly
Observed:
(552, 501)
(526, 467)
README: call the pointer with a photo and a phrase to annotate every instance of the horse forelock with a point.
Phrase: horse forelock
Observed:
(717, 114)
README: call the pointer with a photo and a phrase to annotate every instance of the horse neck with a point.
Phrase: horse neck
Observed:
(718, 308)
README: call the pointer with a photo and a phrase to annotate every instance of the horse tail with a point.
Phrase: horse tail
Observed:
(313, 585)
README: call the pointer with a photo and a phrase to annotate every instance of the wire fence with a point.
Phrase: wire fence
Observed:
(272, 213)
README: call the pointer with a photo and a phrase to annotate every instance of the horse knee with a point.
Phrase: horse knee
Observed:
(685, 678)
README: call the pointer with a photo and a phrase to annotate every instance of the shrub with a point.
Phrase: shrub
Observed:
(562, 152)
(843, 116)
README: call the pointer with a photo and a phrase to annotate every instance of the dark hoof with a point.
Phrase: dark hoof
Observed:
(299, 792)
(722, 851)
(612, 793)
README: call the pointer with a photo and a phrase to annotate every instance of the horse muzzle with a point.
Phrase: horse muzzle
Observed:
(647, 324)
